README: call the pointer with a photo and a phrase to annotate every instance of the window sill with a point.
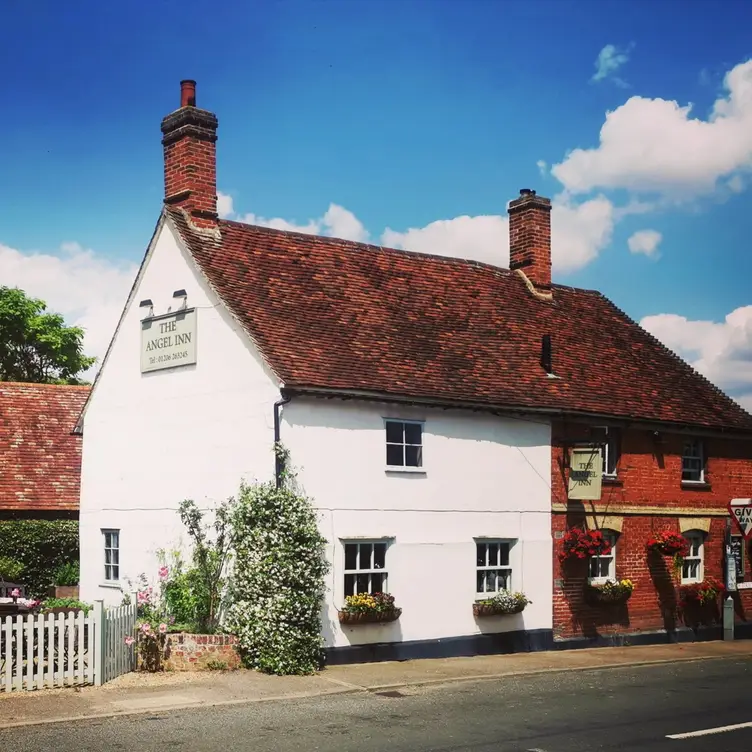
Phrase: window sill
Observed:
(111, 585)
(696, 485)
(611, 480)
(403, 469)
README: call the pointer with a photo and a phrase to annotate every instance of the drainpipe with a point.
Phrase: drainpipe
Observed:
(278, 467)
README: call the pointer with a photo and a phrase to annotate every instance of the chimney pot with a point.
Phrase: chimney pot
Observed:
(187, 93)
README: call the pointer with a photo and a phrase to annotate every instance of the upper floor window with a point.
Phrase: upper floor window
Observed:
(404, 443)
(365, 567)
(609, 439)
(493, 570)
(693, 461)
(693, 564)
(111, 555)
(602, 568)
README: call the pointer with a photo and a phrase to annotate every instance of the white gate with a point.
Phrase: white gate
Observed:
(39, 651)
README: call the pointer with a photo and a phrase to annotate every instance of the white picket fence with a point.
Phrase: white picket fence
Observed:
(40, 651)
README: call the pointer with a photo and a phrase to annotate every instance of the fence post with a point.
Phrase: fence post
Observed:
(99, 641)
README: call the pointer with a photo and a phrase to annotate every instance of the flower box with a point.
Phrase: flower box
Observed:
(701, 593)
(369, 617)
(609, 593)
(503, 603)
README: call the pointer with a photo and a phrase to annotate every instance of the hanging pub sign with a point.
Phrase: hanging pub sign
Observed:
(585, 473)
(169, 340)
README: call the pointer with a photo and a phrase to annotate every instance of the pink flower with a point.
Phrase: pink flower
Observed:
(163, 628)
(15, 593)
(146, 628)
(164, 573)
(129, 640)
(143, 596)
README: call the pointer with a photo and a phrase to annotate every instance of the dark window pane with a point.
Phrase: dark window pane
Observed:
(351, 556)
(349, 584)
(366, 550)
(107, 556)
(481, 554)
(413, 456)
(379, 555)
(504, 554)
(362, 583)
(395, 432)
(377, 583)
(413, 432)
(493, 554)
(116, 573)
(116, 540)
(479, 583)
(115, 556)
(394, 456)
(504, 580)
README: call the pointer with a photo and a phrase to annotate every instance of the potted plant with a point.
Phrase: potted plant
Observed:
(667, 543)
(369, 608)
(578, 544)
(611, 592)
(66, 578)
(504, 602)
(700, 593)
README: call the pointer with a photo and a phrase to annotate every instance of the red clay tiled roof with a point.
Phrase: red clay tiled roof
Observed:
(333, 314)
(40, 459)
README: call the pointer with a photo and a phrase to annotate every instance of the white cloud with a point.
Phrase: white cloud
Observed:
(721, 351)
(86, 289)
(542, 167)
(336, 222)
(579, 233)
(645, 241)
(609, 60)
(654, 145)
(224, 205)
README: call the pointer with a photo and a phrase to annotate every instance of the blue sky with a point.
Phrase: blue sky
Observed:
(402, 122)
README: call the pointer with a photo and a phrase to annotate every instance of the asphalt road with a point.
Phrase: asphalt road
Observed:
(614, 709)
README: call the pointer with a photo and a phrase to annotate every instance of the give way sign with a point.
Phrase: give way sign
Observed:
(741, 512)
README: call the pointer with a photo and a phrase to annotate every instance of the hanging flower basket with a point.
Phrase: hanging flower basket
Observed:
(504, 603)
(611, 592)
(580, 544)
(369, 608)
(700, 593)
(668, 544)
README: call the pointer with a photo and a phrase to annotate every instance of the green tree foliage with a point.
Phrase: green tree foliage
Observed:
(277, 581)
(37, 346)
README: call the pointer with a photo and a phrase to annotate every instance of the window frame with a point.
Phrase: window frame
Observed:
(404, 468)
(509, 567)
(698, 535)
(610, 446)
(109, 581)
(613, 535)
(387, 542)
(701, 456)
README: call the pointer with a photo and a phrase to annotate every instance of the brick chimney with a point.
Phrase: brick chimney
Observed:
(530, 238)
(190, 160)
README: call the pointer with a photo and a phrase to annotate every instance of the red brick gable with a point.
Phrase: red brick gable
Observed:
(40, 458)
(349, 317)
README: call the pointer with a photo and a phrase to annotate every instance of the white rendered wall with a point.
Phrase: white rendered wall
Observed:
(152, 440)
(484, 476)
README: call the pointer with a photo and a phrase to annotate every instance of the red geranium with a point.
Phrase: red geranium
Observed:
(701, 592)
(580, 544)
(667, 543)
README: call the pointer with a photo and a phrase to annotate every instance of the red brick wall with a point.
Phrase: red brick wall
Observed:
(649, 475)
(192, 652)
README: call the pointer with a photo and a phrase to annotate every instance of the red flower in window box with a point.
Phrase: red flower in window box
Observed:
(581, 544)
(701, 593)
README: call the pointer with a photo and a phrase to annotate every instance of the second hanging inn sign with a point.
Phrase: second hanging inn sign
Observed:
(169, 340)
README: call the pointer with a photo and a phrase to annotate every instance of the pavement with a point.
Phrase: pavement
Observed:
(675, 706)
(137, 693)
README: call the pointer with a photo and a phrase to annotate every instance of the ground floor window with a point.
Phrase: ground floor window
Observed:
(603, 568)
(693, 563)
(365, 567)
(493, 569)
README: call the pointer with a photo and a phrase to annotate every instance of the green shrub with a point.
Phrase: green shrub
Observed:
(41, 546)
(277, 581)
(71, 603)
(11, 569)
(68, 574)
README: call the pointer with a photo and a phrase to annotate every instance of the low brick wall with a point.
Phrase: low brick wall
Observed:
(194, 652)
